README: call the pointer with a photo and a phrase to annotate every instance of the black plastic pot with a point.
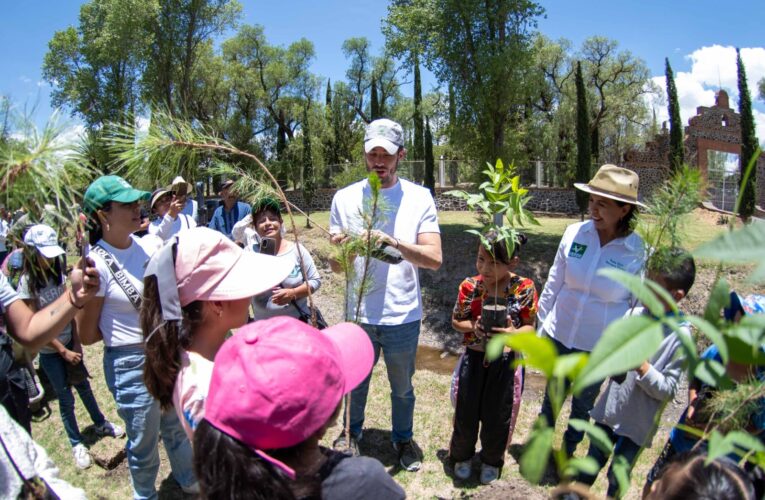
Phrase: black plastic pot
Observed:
(493, 313)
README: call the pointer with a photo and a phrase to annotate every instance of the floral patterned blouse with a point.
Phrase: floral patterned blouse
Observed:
(520, 293)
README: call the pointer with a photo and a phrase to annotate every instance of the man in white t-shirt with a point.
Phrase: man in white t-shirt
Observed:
(391, 309)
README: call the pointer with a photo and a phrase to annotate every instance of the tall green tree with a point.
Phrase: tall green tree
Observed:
(180, 33)
(761, 84)
(95, 69)
(676, 153)
(430, 164)
(418, 153)
(749, 142)
(583, 154)
(309, 184)
(374, 103)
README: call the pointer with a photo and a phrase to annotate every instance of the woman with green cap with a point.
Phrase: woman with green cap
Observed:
(113, 209)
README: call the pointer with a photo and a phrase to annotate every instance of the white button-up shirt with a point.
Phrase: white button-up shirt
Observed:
(577, 304)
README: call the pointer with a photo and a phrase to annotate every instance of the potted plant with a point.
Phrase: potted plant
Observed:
(500, 197)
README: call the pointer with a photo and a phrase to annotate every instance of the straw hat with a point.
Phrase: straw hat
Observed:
(613, 182)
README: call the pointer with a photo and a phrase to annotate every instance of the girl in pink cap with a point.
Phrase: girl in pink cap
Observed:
(196, 289)
(276, 388)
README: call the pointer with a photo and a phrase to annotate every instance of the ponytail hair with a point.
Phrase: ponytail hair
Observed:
(228, 468)
(164, 341)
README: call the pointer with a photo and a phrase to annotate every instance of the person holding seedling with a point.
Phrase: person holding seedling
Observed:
(485, 389)
(577, 303)
(390, 311)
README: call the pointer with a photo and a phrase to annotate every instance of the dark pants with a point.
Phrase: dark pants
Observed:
(580, 406)
(13, 392)
(54, 367)
(623, 446)
(485, 397)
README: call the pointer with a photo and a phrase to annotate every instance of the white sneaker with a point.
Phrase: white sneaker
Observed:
(81, 456)
(463, 470)
(109, 429)
(489, 474)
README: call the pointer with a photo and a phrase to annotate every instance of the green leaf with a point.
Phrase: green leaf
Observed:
(718, 299)
(688, 345)
(624, 345)
(597, 436)
(495, 346)
(744, 345)
(745, 441)
(637, 287)
(712, 373)
(712, 334)
(538, 352)
(739, 246)
(587, 465)
(537, 452)
(664, 296)
(621, 468)
(718, 447)
(569, 365)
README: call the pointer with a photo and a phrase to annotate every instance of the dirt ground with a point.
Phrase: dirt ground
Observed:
(440, 344)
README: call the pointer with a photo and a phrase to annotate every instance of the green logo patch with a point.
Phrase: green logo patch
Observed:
(577, 250)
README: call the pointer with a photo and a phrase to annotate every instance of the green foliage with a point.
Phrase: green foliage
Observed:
(534, 460)
(740, 246)
(41, 167)
(583, 147)
(676, 129)
(430, 163)
(309, 183)
(418, 146)
(749, 143)
(500, 195)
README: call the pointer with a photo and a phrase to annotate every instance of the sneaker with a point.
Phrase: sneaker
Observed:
(408, 456)
(463, 470)
(340, 444)
(109, 429)
(81, 456)
(489, 474)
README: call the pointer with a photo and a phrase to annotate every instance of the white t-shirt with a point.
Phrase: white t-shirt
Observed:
(577, 304)
(406, 210)
(7, 294)
(3, 234)
(166, 227)
(244, 233)
(119, 319)
(190, 391)
(48, 294)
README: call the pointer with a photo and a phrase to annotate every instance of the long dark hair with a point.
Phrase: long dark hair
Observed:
(626, 224)
(228, 468)
(38, 277)
(163, 348)
(93, 224)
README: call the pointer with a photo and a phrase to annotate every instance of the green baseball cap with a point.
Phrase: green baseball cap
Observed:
(111, 188)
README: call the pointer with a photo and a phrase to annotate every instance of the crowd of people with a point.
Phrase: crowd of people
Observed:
(243, 414)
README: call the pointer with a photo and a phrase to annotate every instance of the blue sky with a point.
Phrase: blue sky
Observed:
(697, 36)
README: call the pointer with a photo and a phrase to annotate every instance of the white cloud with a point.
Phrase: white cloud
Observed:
(713, 68)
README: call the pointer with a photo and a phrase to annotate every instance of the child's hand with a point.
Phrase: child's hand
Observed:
(508, 329)
(72, 357)
(477, 329)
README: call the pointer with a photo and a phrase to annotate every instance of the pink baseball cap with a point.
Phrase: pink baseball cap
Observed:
(278, 381)
(209, 266)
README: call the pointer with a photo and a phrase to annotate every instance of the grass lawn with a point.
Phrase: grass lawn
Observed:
(433, 412)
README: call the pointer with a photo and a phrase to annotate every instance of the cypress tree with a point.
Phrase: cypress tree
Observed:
(418, 153)
(374, 102)
(309, 186)
(328, 99)
(676, 154)
(748, 142)
(583, 156)
(430, 164)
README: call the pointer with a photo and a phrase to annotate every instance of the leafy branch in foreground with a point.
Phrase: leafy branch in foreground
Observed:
(39, 168)
(172, 146)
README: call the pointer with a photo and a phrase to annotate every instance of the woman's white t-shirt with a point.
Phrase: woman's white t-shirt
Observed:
(119, 322)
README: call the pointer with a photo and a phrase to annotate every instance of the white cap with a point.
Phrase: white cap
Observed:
(384, 133)
(45, 239)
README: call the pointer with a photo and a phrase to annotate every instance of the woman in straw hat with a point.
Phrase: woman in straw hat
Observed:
(577, 303)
